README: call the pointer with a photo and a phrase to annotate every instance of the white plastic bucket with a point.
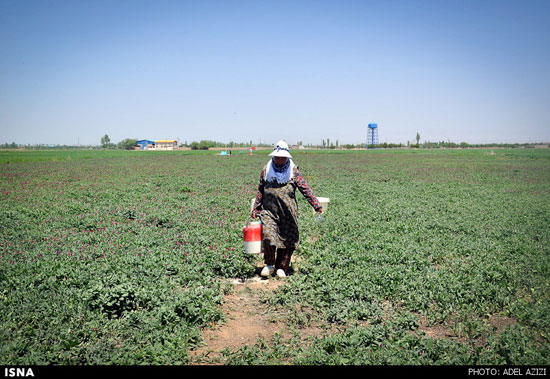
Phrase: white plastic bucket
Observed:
(254, 247)
(324, 203)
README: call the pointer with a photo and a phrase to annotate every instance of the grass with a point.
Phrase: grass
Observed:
(424, 257)
(56, 155)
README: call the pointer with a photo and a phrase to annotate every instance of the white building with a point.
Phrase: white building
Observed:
(166, 144)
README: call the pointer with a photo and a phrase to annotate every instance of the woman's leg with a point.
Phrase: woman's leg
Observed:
(269, 253)
(283, 259)
(269, 259)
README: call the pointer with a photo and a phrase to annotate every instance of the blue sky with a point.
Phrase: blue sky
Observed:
(460, 70)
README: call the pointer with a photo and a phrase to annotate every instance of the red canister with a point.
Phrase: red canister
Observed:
(252, 234)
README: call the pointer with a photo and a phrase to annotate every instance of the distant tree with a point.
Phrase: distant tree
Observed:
(105, 141)
(127, 144)
(417, 138)
(12, 145)
(205, 144)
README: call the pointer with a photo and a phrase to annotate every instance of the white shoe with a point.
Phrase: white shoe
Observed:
(267, 271)
(280, 273)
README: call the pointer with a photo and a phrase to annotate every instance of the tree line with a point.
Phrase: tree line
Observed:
(130, 144)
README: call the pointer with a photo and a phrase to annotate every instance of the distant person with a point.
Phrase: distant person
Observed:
(277, 208)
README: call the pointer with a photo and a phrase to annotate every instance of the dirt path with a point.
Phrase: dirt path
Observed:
(247, 320)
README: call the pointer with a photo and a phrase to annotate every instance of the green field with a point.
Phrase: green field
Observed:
(425, 257)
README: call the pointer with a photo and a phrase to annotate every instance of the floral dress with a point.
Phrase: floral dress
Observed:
(278, 209)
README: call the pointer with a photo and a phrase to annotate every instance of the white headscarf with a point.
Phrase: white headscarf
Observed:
(282, 175)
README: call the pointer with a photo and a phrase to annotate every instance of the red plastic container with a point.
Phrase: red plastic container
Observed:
(252, 234)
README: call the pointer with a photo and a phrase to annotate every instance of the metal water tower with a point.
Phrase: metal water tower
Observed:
(372, 135)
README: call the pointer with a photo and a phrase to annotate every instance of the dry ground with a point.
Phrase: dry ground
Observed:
(247, 320)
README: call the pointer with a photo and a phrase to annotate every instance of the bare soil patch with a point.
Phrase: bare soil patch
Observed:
(247, 320)
(436, 331)
(501, 322)
(439, 331)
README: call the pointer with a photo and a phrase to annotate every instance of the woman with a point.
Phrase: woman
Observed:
(278, 210)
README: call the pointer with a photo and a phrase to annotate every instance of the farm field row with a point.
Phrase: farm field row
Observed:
(424, 258)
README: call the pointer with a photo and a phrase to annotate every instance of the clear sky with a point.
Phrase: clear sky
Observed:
(460, 70)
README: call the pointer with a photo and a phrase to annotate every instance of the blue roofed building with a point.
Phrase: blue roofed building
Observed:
(145, 144)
